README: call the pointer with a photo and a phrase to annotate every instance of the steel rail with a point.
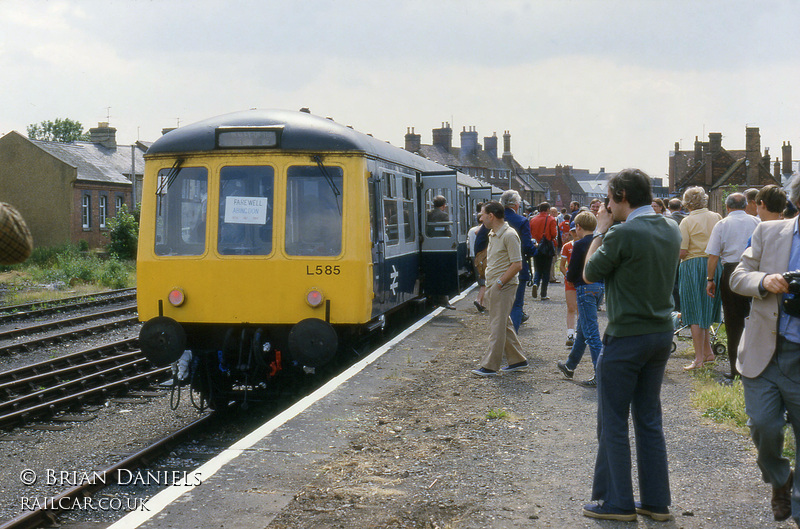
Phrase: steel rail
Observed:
(47, 311)
(43, 515)
(67, 401)
(58, 303)
(65, 361)
(88, 368)
(38, 342)
(60, 324)
(82, 381)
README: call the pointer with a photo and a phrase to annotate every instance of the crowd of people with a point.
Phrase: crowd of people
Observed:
(659, 266)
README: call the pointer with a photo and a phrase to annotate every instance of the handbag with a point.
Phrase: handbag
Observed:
(480, 264)
(546, 247)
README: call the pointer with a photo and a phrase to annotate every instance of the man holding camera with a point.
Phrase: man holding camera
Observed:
(769, 353)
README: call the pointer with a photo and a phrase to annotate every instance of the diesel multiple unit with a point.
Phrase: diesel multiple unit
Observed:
(268, 239)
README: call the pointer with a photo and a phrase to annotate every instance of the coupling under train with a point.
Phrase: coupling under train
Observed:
(271, 239)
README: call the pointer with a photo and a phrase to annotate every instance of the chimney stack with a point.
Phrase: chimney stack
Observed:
(786, 168)
(469, 142)
(714, 142)
(490, 145)
(413, 141)
(698, 150)
(752, 154)
(506, 144)
(104, 135)
(776, 170)
(443, 137)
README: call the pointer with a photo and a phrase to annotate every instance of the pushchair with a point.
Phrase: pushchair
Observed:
(716, 345)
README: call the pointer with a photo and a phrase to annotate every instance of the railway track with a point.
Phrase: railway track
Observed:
(73, 329)
(47, 388)
(40, 309)
(46, 515)
(44, 389)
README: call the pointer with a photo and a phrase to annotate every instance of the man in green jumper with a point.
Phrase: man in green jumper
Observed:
(637, 259)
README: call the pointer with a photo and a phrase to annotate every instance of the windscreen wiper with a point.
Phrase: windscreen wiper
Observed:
(171, 175)
(336, 192)
(166, 182)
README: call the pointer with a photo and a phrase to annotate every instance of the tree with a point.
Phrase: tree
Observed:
(124, 233)
(61, 130)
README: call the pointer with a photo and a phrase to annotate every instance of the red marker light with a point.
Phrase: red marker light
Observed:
(314, 298)
(176, 297)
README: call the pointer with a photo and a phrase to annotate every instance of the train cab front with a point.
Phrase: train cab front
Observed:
(251, 261)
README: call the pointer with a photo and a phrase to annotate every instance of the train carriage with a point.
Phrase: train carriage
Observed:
(268, 237)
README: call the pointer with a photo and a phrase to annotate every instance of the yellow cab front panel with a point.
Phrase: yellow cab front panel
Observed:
(240, 237)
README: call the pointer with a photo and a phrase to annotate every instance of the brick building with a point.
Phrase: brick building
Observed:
(563, 186)
(721, 171)
(483, 162)
(67, 191)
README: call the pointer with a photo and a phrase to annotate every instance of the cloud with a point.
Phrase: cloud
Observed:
(589, 83)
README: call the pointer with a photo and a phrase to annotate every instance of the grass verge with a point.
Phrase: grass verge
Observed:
(54, 273)
(724, 404)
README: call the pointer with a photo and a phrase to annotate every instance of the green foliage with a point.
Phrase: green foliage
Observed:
(68, 265)
(61, 130)
(496, 414)
(123, 230)
(722, 403)
(789, 443)
(46, 256)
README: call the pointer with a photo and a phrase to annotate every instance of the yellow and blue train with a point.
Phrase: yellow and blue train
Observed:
(269, 238)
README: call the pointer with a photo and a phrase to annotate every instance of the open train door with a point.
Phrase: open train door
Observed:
(439, 260)
(478, 195)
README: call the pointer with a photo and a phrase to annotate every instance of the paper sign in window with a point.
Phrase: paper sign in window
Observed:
(245, 210)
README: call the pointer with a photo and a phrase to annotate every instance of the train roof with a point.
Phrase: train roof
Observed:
(300, 131)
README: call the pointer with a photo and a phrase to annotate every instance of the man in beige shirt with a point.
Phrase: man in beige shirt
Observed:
(503, 263)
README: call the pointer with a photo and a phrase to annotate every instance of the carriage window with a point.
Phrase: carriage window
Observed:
(408, 188)
(409, 213)
(462, 208)
(245, 210)
(408, 220)
(314, 210)
(181, 196)
(438, 222)
(390, 181)
(390, 214)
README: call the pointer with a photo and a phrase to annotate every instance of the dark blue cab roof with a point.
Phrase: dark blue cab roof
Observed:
(300, 131)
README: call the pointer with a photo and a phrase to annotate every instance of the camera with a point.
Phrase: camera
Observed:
(791, 303)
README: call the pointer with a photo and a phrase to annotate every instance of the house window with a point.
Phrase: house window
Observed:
(118, 203)
(86, 212)
(103, 211)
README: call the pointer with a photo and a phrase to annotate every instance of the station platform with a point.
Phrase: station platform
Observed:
(409, 438)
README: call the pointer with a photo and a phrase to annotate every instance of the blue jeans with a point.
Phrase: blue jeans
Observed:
(589, 297)
(519, 302)
(629, 375)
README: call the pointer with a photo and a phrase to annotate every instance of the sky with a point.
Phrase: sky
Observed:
(587, 83)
